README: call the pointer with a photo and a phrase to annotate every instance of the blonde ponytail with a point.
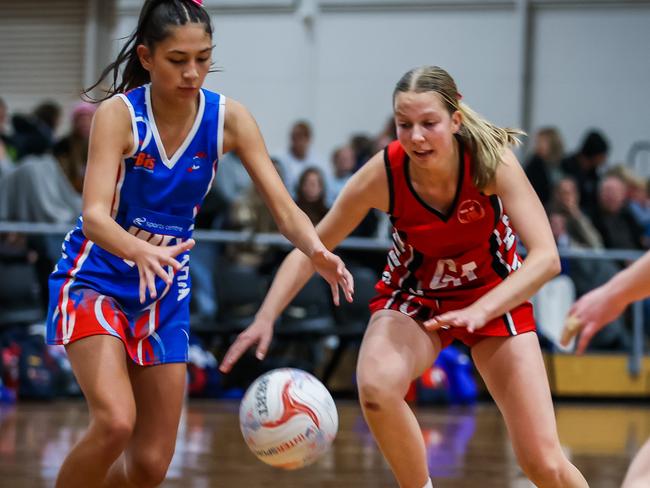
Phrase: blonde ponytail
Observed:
(486, 141)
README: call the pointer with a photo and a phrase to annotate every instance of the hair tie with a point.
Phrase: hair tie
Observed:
(197, 2)
(459, 97)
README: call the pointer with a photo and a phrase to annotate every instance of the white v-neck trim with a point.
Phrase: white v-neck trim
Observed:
(170, 163)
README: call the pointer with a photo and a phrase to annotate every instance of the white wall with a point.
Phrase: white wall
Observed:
(590, 63)
(362, 56)
(592, 69)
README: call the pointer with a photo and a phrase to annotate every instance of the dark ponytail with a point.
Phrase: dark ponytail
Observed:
(156, 17)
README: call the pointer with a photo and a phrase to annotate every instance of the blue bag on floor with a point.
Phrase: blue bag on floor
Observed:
(460, 378)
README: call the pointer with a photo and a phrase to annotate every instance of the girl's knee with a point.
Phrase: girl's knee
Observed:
(114, 430)
(377, 389)
(546, 470)
(148, 468)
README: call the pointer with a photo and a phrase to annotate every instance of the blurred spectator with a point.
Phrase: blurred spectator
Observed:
(562, 238)
(344, 165)
(299, 156)
(583, 168)
(543, 167)
(249, 212)
(586, 275)
(37, 190)
(638, 197)
(578, 225)
(386, 136)
(310, 195)
(34, 134)
(49, 113)
(7, 150)
(232, 181)
(72, 149)
(613, 218)
(363, 147)
(4, 137)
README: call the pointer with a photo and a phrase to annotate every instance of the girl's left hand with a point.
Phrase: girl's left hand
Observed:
(470, 317)
(332, 269)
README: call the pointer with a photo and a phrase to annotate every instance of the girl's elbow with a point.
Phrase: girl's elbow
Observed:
(88, 224)
(554, 265)
(283, 226)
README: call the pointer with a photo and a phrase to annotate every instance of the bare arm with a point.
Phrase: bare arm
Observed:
(632, 283)
(367, 189)
(242, 135)
(541, 263)
(599, 307)
(361, 193)
(110, 139)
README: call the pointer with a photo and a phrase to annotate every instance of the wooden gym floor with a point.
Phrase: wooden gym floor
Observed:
(467, 447)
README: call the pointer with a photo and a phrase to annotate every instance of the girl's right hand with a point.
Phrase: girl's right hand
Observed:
(150, 260)
(260, 332)
(589, 314)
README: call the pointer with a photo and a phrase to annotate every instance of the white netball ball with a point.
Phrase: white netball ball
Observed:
(288, 418)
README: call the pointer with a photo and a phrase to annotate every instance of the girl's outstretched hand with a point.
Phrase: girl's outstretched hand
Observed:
(260, 332)
(589, 314)
(332, 269)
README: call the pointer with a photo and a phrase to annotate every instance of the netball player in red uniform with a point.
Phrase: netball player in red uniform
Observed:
(452, 188)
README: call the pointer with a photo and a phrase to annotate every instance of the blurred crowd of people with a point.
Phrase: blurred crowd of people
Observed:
(591, 203)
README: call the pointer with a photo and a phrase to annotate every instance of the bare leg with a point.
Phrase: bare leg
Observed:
(159, 392)
(395, 350)
(513, 370)
(100, 365)
(638, 474)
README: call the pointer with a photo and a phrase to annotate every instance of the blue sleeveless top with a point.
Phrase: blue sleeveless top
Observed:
(156, 199)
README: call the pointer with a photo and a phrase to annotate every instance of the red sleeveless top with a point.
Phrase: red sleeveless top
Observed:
(457, 255)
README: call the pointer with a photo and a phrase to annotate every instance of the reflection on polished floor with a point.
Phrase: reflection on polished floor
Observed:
(467, 447)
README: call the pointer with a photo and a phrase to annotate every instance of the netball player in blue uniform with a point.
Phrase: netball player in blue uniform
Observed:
(119, 295)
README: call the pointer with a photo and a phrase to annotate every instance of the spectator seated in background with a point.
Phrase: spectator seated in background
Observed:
(7, 149)
(579, 227)
(583, 167)
(613, 218)
(364, 148)
(310, 194)
(72, 150)
(249, 212)
(638, 198)
(387, 135)
(344, 166)
(543, 166)
(299, 156)
(640, 207)
(231, 183)
(37, 190)
(585, 275)
(34, 134)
